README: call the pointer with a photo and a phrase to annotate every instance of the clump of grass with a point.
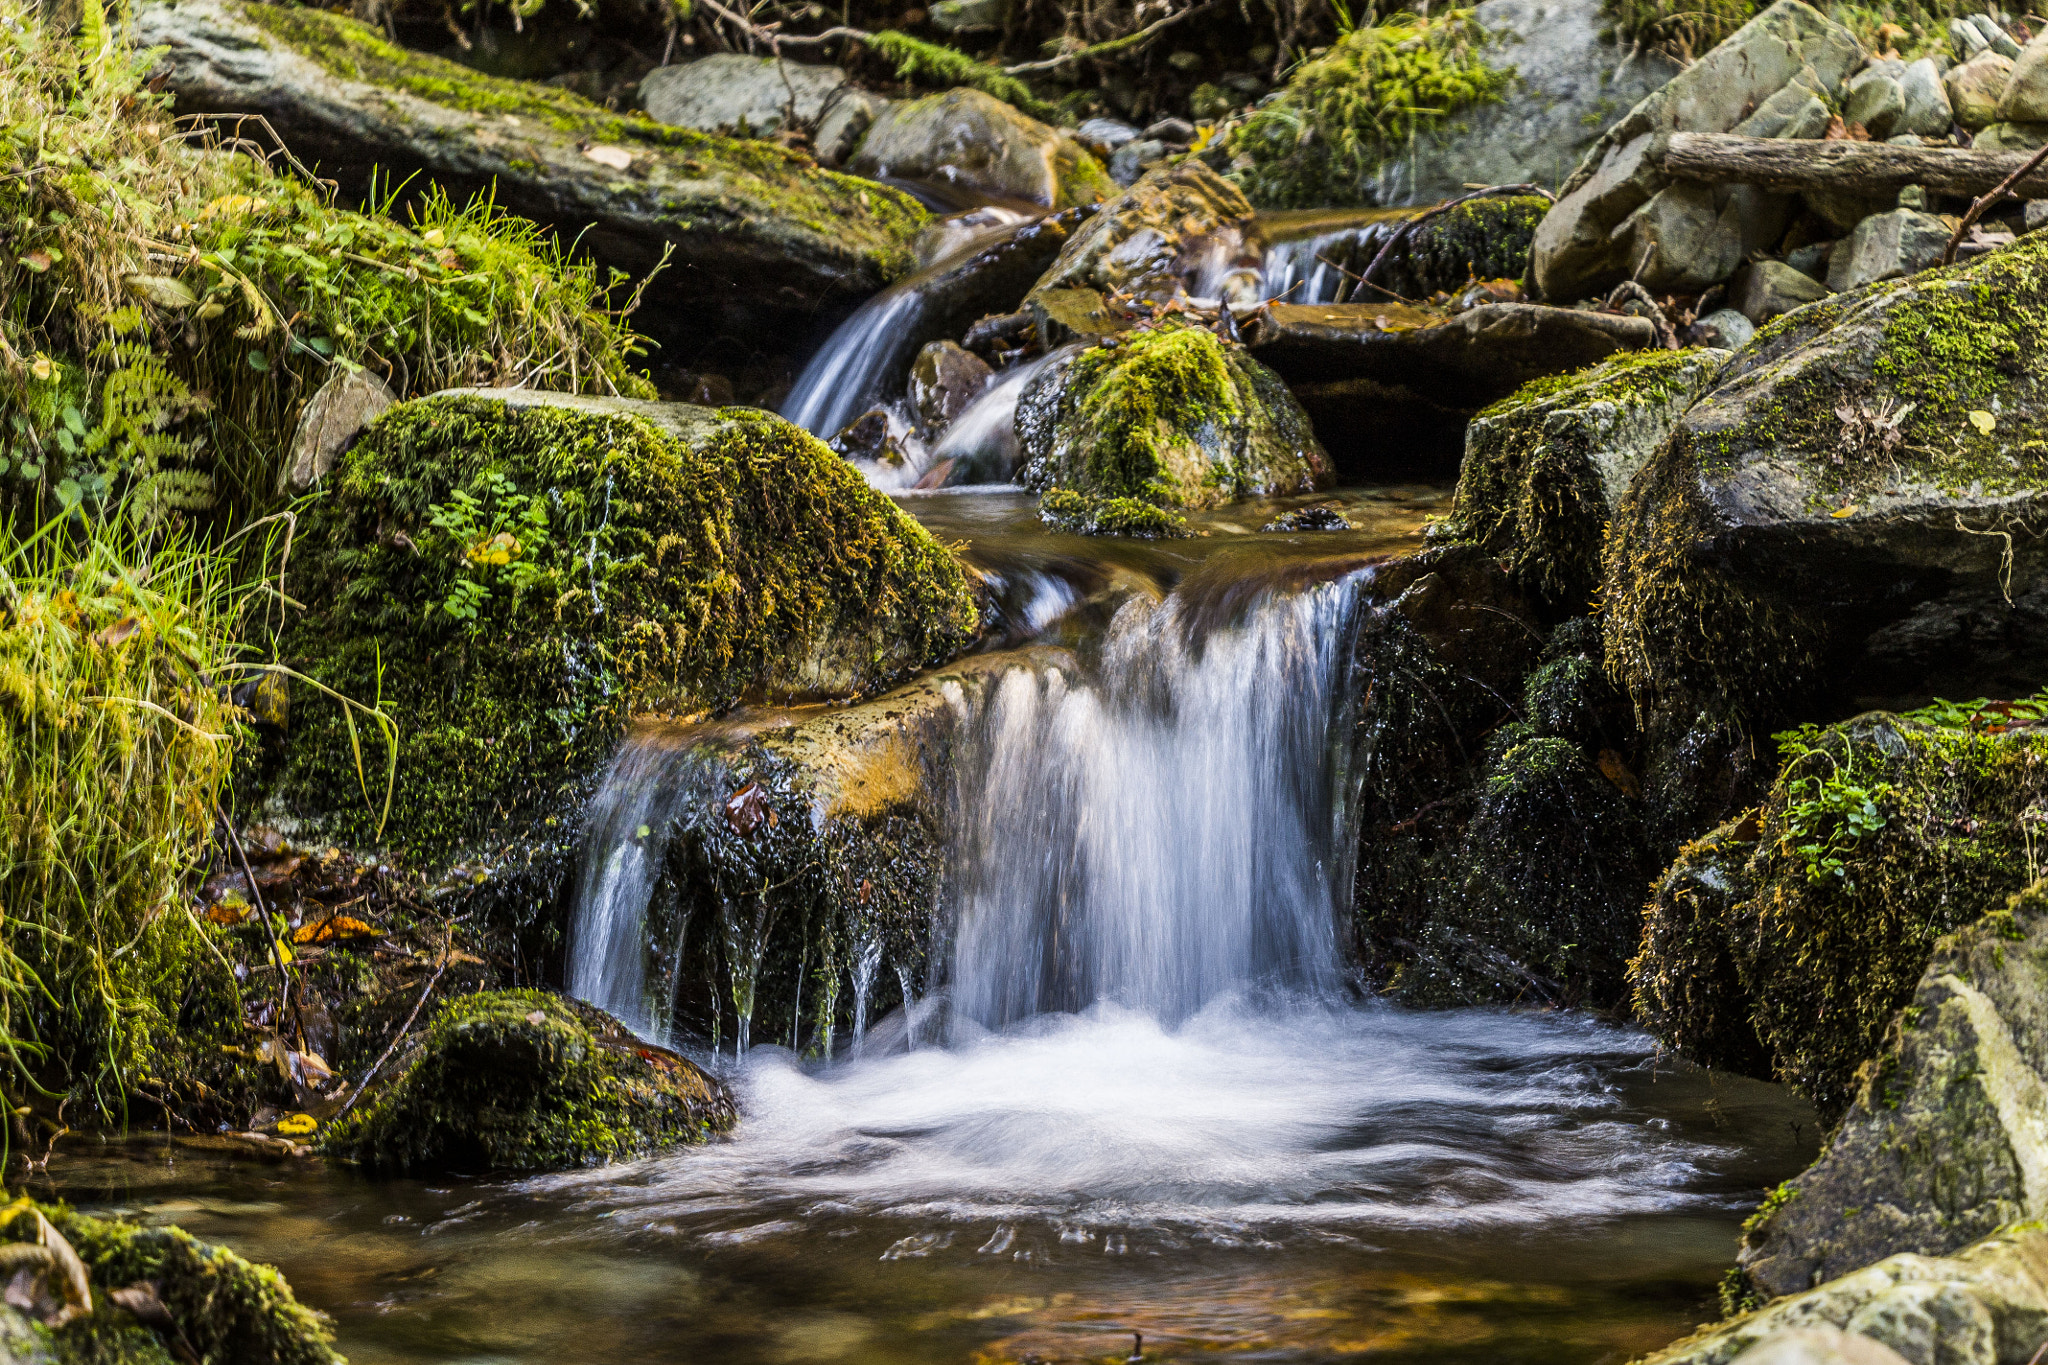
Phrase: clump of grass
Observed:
(165, 308)
(116, 742)
(1359, 103)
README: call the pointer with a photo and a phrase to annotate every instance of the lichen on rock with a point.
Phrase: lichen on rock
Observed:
(526, 1081)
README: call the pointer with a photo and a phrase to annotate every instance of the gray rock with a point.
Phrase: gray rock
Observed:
(1572, 80)
(944, 380)
(1105, 133)
(771, 240)
(1885, 246)
(735, 93)
(2012, 137)
(1687, 237)
(1811, 260)
(1543, 472)
(1968, 42)
(335, 415)
(1987, 1305)
(1172, 130)
(1994, 33)
(2026, 93)
(1822, 1346)
(1947, 1139)
(970, 16)
(1873, 99)
(964, 137)
(1770, 288)
(2035, 214)
(1724, 328)
(1581, 247)
(1796, 111)
(1975, 86)
(1130, 160)
(1925, 107)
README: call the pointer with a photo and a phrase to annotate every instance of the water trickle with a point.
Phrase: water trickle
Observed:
(1308, 262)
(1164, 830)
(867, 960)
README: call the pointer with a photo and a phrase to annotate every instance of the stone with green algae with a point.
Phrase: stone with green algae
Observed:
(526, 1081)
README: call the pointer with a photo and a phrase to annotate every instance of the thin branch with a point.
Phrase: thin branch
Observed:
(1667, 335)
(1113, 45)
(1985, 201)
(447, 953)
(1401, 235)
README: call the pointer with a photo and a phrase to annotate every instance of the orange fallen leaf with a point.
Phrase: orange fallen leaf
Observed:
(335, 929)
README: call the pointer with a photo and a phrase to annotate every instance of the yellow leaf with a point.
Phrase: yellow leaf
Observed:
(1983, 421)
(1846, 510)
(298, 1125)
(283, 950)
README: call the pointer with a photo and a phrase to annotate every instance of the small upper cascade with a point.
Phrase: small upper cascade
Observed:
(1317, 258)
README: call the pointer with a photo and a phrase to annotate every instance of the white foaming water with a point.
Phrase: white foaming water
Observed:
(985, 435)
(1311, 269)
(1165, 831)
(1249, 1119)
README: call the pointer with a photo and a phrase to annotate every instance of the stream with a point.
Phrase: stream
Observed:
(1145, 1094)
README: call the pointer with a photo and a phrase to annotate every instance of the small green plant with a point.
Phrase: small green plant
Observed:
(1827, 813)
(498, 538)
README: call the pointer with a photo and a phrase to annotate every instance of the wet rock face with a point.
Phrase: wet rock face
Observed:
(520, 571)
(1544, 469)
(1945, 1142)
(1987, 1305)
(1152, 241)
(1827, 526)
(1784, 943)
(1619, 217)
(945, 380)
(770, 237)
(967, 138)
(1172, 416)
(732, 93)
(525, 1081)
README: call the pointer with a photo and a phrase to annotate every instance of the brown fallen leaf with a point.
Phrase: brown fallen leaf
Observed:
(142, 1300)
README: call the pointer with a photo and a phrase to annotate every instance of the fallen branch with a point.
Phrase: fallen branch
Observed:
(1869, 168)
(1667, 335)
(1985, 201)
(1401, 234)
(447, 953)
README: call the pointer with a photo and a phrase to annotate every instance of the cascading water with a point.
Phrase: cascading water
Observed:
(1164, 832)
(1314, 260)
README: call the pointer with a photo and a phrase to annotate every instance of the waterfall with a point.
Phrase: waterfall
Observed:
(625, 837)
(1166, 829)
(1306, 261)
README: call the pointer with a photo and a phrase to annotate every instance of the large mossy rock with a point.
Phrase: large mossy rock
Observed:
(516, 573)
(1620, 217)
(218, 1309)
(1172, 416)
(1947, 1140)
(1986, 1305)
(1545, 468)
(1568, 79)
(1842, 523)
(971, 139)
(769, 238)
(508, 1081)
(1791, 938)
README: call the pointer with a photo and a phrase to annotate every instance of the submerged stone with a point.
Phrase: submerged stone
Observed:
(515, 573)
(508, 1081)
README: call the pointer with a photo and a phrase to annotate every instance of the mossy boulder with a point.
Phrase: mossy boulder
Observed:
(197, 1303)
(1822, 908)
(1545, 468)
(513, 574)
(972, 139)
(1172, 416)
(1841, 523)
(1948, 1134)
(1985, 1305)
(1502, 854)
(768, 235)
(507, 1081)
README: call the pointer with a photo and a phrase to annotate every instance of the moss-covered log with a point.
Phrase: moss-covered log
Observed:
(526, 1081)
(769, 237)
(515, 574)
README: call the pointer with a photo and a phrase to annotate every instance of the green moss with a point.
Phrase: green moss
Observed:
(226, 1310)
(641, 570)
(785, 181)
(1140, 399)
(1065, 510)
(1480, 239)
(1360, 103)
(526, 1081)
(1880, 835)
(918, 60)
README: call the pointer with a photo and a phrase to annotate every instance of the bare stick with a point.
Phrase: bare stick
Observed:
(1667, 335)
(1985, 201)
(1113, 45)
(447, 951)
